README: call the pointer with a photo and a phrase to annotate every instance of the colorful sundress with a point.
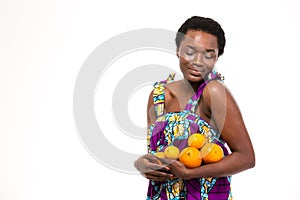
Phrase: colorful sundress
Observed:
(174, 128)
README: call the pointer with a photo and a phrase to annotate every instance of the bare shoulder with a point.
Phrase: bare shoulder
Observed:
(215, 89)
(217, 95)
(171, 88)
(215, 86)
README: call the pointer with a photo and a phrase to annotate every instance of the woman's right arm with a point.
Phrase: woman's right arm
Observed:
(149, 165)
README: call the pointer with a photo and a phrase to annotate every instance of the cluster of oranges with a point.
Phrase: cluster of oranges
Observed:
(197, 152)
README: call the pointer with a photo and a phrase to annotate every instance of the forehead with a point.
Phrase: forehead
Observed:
(201, 39)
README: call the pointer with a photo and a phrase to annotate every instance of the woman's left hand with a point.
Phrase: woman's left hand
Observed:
(177, 168)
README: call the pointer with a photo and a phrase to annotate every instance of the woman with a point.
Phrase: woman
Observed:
(200, 41)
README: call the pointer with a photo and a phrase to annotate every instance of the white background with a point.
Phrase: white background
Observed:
(43, 45)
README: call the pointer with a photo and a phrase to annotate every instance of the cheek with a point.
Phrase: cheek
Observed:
(183, 61)
(211, 66)
(183, 64)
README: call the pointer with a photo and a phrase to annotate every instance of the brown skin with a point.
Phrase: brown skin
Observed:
(198, 54)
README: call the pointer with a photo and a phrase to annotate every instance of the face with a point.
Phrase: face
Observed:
(198, 53)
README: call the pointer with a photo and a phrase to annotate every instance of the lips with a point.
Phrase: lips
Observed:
(195, 72)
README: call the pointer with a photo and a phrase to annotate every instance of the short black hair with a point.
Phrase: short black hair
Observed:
(207, 25)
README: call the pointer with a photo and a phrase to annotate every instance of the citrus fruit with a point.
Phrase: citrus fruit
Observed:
(190, 157)
(196, 140)
(211, 152)
(160, 154)
(171, 152)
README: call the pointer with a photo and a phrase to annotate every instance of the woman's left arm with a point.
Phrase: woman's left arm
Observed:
(226, 115)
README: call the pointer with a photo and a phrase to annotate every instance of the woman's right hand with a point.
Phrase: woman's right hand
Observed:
(152, 168)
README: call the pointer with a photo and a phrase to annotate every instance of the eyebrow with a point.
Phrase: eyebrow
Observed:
(210, 50)
(207, 50)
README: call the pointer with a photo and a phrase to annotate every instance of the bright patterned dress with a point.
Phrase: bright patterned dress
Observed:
(173, 129)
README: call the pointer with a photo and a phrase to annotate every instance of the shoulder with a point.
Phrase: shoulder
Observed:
(214, 86)
(171, 88)
(215, 90)
(218, 98)
(165, 91)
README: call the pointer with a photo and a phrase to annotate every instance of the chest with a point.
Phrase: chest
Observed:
(176, 102)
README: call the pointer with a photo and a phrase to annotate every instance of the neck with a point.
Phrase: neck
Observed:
(192, 85)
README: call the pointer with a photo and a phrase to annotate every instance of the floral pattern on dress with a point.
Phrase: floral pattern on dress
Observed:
(174, 128)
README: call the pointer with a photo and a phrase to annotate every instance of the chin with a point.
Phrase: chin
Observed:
(194, 79)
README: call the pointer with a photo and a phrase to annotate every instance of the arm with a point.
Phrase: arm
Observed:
(149, 165)
(228, 119)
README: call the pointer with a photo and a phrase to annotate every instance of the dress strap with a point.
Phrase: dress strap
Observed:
(159, 95)
(192, 103)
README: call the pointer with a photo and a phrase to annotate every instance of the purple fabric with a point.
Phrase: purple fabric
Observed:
(194, 128)
(158, 134)
(151, 192)
(163, 195)
(191, 117)
(181, 144)
(196, 96)
(220, 190)
(193, 189)
(223, 147)
(188, 107)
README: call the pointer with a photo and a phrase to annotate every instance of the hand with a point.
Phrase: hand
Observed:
(179, 170)
(152, 168)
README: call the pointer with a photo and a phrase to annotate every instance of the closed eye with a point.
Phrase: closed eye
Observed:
(189, 53)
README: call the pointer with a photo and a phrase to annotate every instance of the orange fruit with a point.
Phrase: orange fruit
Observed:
(196, 140)
(172, 152)
(211, 153)
(190, 157)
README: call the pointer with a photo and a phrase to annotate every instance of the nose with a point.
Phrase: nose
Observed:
(198, 60)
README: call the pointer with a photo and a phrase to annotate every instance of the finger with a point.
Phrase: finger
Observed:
(160, 173)
(166, 161)
(149, 167)
(151, 158)
(158, 176)
(158, 165)
(144, 165)
(176, 164)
